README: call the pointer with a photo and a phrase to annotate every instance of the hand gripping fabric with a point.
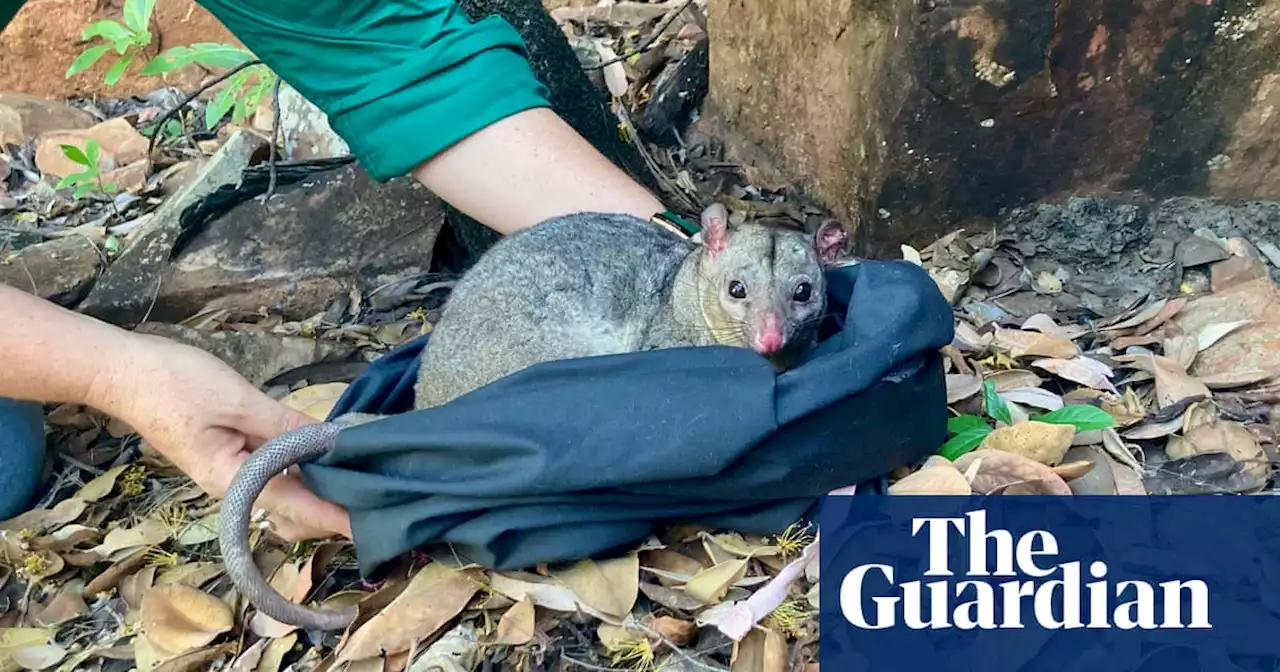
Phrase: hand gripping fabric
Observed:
(586, 457)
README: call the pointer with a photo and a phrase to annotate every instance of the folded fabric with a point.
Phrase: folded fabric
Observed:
(584, 457)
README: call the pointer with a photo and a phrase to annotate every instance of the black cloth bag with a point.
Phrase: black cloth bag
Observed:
(579, 458)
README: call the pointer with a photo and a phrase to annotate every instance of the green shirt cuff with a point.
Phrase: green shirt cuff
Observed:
(400, 81)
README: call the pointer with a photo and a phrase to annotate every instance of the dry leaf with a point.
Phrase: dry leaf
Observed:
(315, 400)
(615, 75)
(1181, 349)
(178, 619)
(200, 531)
(39, 657)
(671, 598)
(674, 630)
(546, 595)
(39, 520)
(1033, 396)
(760, 651)
(1225, 436)
(1213, 333)
(516, 627)
(961, 386)
(1150, 312)
(937, 477)
(102, 485)
(1153, 430)
(710, 585)
(434, 596)
(149, 532)
(1073, 470)
(1233, 379)
(1034, 344)
(997, 469)
(1173, 384)
(1044, 323)
(609, 586)
(736, 545)
(1043, 442)
(1078, 370)
(1013, 379)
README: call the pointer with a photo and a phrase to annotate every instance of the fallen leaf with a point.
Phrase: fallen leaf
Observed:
(938, 476)
(912, 255)
(273, 657)
(1043, 442)
(1033, 396)
(516, 627)
(995, 469)
(674, 630)
(609, 586)
(39, 657)
(1034, 344)
(198, 660)
(1173, 384)
(1073, 470)
(1181, 349)
(434, 596)
(710, 585)
(316, 401)
(1153, 430)
(671, 598)
(961, 386)
(101, 486)
(546, 595)
(615, 75)
(200, 531)
(763, 650)
(1078, 370)
(1213, 333)
(178, 619)
(149, 532)
(1232, 379)
(1043, 323)
(1013, 379)
(39, 520)
(1144, 315)
(1225, 436)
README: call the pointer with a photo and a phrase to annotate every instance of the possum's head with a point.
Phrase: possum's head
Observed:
(762, 286)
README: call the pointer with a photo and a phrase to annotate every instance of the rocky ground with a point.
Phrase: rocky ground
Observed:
(1112, 345)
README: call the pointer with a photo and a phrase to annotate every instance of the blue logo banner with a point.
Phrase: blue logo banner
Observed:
(1050, 584)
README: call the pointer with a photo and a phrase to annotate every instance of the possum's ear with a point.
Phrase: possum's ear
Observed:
(829, 241)
(715, 228)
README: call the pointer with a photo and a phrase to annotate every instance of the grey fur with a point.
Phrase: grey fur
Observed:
(575, 286)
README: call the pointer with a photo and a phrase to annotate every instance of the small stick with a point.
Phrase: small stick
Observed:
(649, 40)
(164, 118)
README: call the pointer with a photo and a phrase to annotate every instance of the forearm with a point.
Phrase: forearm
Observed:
(54, 355)
(418, 88)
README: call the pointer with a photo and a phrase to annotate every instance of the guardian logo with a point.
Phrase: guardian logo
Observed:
(1056, 595)
(1049, 584)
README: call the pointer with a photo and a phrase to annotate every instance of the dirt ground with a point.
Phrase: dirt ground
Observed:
(44, 38)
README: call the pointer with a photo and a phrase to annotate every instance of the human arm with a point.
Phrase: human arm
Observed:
(417, 88)
(189, 405)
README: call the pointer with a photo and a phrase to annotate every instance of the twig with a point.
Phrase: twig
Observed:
(649, 40)
(164, 118)
(589, 666)
(80, 465)
(275, 137)
(678, 651)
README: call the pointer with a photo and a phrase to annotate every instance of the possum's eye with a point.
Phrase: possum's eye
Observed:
(737, 290)
(804, 291)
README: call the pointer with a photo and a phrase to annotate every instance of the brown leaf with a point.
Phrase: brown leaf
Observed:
(671, 598)
(676, 631)
(1166, 313)
(1034, 344)
(1013, 379)
(1073, 470)
(178, 619)
(434, 596)
(1043, 442)
(315, 400)
(202, 659)
(1231, 379)
(671, 562)
(102, 485)
(996, 469)
(760, 651)
(1172, 382)
(39, 520)
(112, 576)
(136, 585)
(516, 627)
(938, 476)
(1181, 349)
(545, 595)
(710, 585)
(609, 586)
(120, 541)
(66, 605)
(1079, 370)
(961, 386)
(1225, 436)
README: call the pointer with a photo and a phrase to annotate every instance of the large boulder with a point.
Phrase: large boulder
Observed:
(908, 118)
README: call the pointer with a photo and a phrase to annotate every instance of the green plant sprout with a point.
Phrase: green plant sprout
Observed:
(968, 431)
(91, 177)
(127, 39)
(240, 96)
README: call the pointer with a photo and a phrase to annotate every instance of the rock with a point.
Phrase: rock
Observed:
(124, 291)
(306, 130)
(61, 270)
(940, 113)
(119, 145)
(23, 116)
(1253, 347)
(1197, 250)
(132, 177)
(1236, 271)
(257, 356)
(317, 238)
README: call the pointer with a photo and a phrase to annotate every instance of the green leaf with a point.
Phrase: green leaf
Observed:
(137, 14)
(108, 30)
(225, 99)
(82, 189)
(117, 70)
(75, 154)
(123, 46)
(995, 405)
(1083, 417)
(69, 180)
(207, 54)
(963, 442)
(963, 423)
(110, 188)
(86, 60)
(91, 153)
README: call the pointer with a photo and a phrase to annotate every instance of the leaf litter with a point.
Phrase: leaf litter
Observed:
(118, 568)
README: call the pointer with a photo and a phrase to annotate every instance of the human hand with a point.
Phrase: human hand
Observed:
(205, 418)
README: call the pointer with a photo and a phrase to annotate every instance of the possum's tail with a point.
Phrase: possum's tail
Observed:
(262, 465)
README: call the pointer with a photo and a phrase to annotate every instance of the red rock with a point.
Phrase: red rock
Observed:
(1254, 347)
(1236, 271)
(23, 116)
(119, 145)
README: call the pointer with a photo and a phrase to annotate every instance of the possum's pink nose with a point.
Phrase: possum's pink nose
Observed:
(768, 338)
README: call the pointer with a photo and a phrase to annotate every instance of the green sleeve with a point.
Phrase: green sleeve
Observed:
(8, 9)
(401, 80)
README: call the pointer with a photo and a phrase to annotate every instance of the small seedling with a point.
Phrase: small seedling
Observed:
(239, 96)
(969, 431)
(127, 39)
(91, 177)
